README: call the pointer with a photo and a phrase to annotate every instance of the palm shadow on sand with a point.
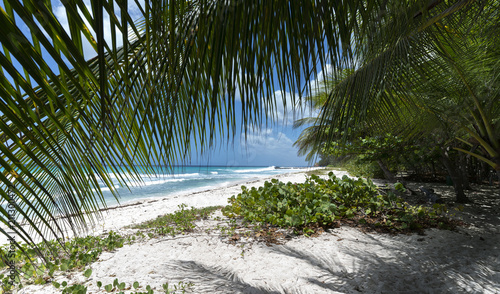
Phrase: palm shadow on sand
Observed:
(465, 261)
(216, 279)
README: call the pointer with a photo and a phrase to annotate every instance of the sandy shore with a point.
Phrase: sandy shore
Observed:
(343, 260)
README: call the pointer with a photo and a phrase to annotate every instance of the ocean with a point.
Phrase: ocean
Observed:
(188, 179)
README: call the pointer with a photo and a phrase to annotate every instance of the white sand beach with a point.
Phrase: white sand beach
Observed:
(342, 260)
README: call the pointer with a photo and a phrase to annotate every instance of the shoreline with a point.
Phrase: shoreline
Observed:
(113, 217)
(238, 183)
(230, 185)
(147, 209)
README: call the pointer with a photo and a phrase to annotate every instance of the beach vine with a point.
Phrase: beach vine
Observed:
(78, 253)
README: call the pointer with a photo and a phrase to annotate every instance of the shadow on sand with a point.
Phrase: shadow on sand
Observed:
(465, 261)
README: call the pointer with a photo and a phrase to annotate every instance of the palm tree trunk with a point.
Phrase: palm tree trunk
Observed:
(387, 173)
(498, 178)
(455, 176)
(464, 171)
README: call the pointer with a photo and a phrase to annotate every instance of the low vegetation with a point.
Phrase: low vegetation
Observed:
(266, 214)
(323, 203)
(179, 222)
(76, 254)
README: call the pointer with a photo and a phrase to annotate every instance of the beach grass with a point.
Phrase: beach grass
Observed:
(181, 221)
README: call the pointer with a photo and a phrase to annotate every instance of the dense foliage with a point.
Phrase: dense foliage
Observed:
(386, 155)
(322, 202)
(296, 205)
(435, 87)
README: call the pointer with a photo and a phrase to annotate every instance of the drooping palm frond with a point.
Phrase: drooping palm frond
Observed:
(422, 62)
(165, 78)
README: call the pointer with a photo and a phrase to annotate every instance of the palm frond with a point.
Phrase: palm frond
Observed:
(163, 80)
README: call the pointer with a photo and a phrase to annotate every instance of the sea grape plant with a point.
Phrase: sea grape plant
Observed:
(317, 200)
(321, 202)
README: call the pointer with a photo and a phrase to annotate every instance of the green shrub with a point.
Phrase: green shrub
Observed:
(362, 168)
(320, 202)
(316, 200)
(181, 221)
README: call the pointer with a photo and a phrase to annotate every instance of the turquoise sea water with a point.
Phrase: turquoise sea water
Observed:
(189, 179)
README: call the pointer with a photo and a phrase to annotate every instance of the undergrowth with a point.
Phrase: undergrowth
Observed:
(61, 256)
(323, 203)
(361, 168)
(77, 253)
(306, 208)
(179, 222)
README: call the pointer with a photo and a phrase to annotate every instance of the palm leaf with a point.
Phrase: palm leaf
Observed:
(164, 81)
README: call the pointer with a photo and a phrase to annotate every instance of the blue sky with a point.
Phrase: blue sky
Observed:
(272, 145)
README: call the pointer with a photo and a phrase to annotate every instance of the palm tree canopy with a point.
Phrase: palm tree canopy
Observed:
(447, 69)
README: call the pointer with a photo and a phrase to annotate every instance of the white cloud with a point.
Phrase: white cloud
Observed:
(89, 52)
(328, 70)
(287, 111)
(316, 84)
(284, 110)
(270, 147)
(269, 139)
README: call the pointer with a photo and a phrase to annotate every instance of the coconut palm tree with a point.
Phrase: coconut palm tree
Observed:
(165, 77)
(448, 69)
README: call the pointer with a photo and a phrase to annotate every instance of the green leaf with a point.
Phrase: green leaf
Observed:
(88, 273)
(64, 267)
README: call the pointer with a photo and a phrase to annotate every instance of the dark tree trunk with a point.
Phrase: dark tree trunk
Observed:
(387, 173)
(455, 176)
(484, 172)
(464, 171)
(498, 177)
